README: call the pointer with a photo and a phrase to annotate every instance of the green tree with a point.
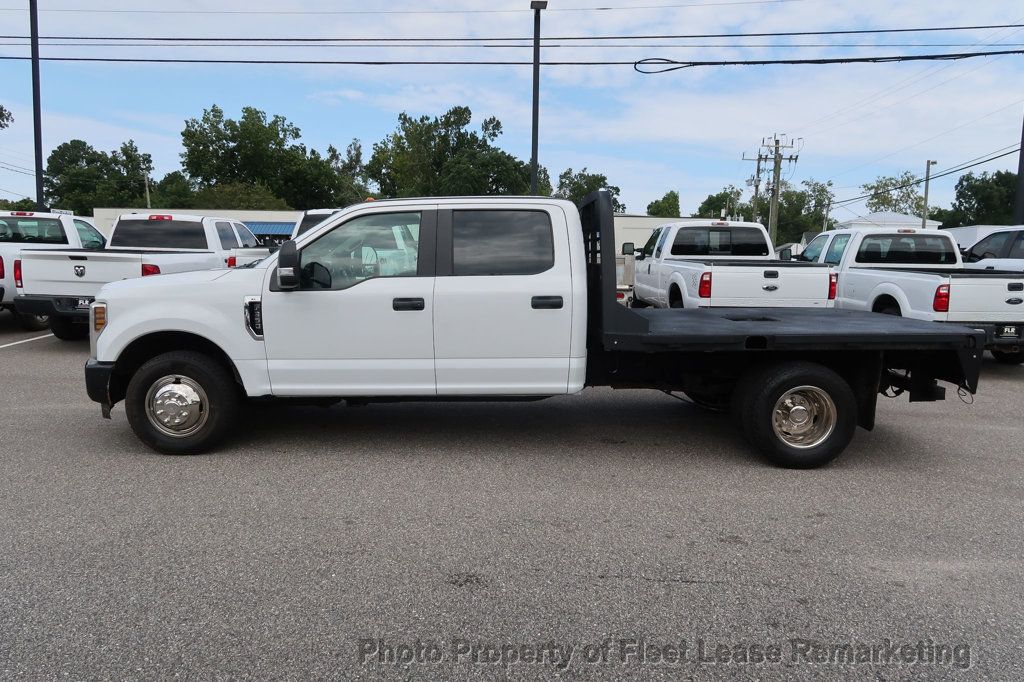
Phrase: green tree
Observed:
(985, 199)
(175, 190)
(728, 200)
(25, 204)
(803, 210)
(898, 193)
(440, 156)
(238, 195)
(80, 178)
(576, 185)
(257, 150)
(665, 207)
(6, 118)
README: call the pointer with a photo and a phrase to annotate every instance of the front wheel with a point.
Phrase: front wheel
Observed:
(182, 403)
(1007, 357)
(33, 323)
(799, 415)
(67, 330)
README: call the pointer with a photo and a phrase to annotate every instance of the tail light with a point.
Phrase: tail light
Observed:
(2, 273)
(833, 285)
(619, 296)
(17, 274)
(149, 269)
(941, 302)
(704, 290)
(232, 261)
(22, 213)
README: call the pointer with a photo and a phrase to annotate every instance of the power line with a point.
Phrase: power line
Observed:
(956, 169)
(678, 36)
(16, 169)
(657, 65)
(14, 194)
(522, 46)
(77, 10)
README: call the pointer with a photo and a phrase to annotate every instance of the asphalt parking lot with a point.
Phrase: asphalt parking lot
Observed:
(318, 542)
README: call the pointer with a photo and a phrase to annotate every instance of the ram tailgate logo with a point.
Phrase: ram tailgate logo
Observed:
(79, 271)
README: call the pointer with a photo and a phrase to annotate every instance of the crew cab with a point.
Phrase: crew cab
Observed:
(62, 283)
(37, 230)
(1001, 249)
(498, 299)
(717, 263)
(919, 274)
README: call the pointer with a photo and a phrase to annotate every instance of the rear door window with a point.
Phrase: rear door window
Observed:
(159, 234)
(31, 230)
(226, 233)
(906, 249)
(1017, 250)
(501, 243)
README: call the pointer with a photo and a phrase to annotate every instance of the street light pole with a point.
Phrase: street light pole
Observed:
(536, 6)
(33, 13)
(927, 179)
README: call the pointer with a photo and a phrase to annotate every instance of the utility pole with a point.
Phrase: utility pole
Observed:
(756, 181)
(1018, 206)
(775, 146)
(536, 6)
(147, 192)
(33, 13)
(927, 179)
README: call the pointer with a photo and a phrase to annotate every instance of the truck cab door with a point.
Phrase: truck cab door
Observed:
(503, 301)
(659, 279)
(642, 284)
(361, 322)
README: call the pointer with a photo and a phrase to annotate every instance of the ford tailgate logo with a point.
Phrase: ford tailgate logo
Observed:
(79, 271)
(1015, 301)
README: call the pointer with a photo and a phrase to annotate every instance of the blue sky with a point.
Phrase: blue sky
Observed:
(685, 131)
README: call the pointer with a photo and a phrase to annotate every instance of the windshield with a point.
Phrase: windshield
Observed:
(31, 230)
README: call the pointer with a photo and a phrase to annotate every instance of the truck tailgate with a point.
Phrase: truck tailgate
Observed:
(770, 285)
(986, 297)
(75, 273)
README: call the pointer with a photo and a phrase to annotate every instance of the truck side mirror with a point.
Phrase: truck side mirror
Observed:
(786, 254)
(628, 249)
(288, 266)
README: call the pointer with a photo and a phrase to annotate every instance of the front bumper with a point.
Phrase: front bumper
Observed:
(56, 306)
(997, 336)
(98, 376)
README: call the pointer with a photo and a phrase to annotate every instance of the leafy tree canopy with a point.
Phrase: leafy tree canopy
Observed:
(576, 185)
(79, 177)
(896, 193)
(985, 199)
(238, 195)
(665, 207)
(6, 118)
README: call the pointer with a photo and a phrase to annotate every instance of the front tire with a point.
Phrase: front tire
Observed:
(67, 330)
(182, 403)
(1007, 357)
(799, 415)
(33, 323)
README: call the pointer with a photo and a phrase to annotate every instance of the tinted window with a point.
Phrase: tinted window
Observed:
(735, 241)
(501, 242)
(813, 250)
(991, 246)
(227, 235)
(247, 238)
(1017, 250)
(358, 250)
(87, 234)
(159, 234)
(312, 220)
(653, 241)
(836, 249)
(30, 230)
(661, 242)
(910, 249)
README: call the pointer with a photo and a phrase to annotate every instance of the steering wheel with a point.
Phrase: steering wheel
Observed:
(371, 261)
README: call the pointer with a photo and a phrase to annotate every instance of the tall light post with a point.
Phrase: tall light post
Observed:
(536, 6)
(33, 13)
(927, 180)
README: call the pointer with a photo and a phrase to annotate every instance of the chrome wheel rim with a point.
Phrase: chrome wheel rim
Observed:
(177, 406)
(804, 417)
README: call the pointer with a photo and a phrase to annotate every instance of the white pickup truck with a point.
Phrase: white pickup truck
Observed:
(919, 274)
(21, 230)
(717, 263)
(1001, 249)
(62, 283)
(499, 298)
